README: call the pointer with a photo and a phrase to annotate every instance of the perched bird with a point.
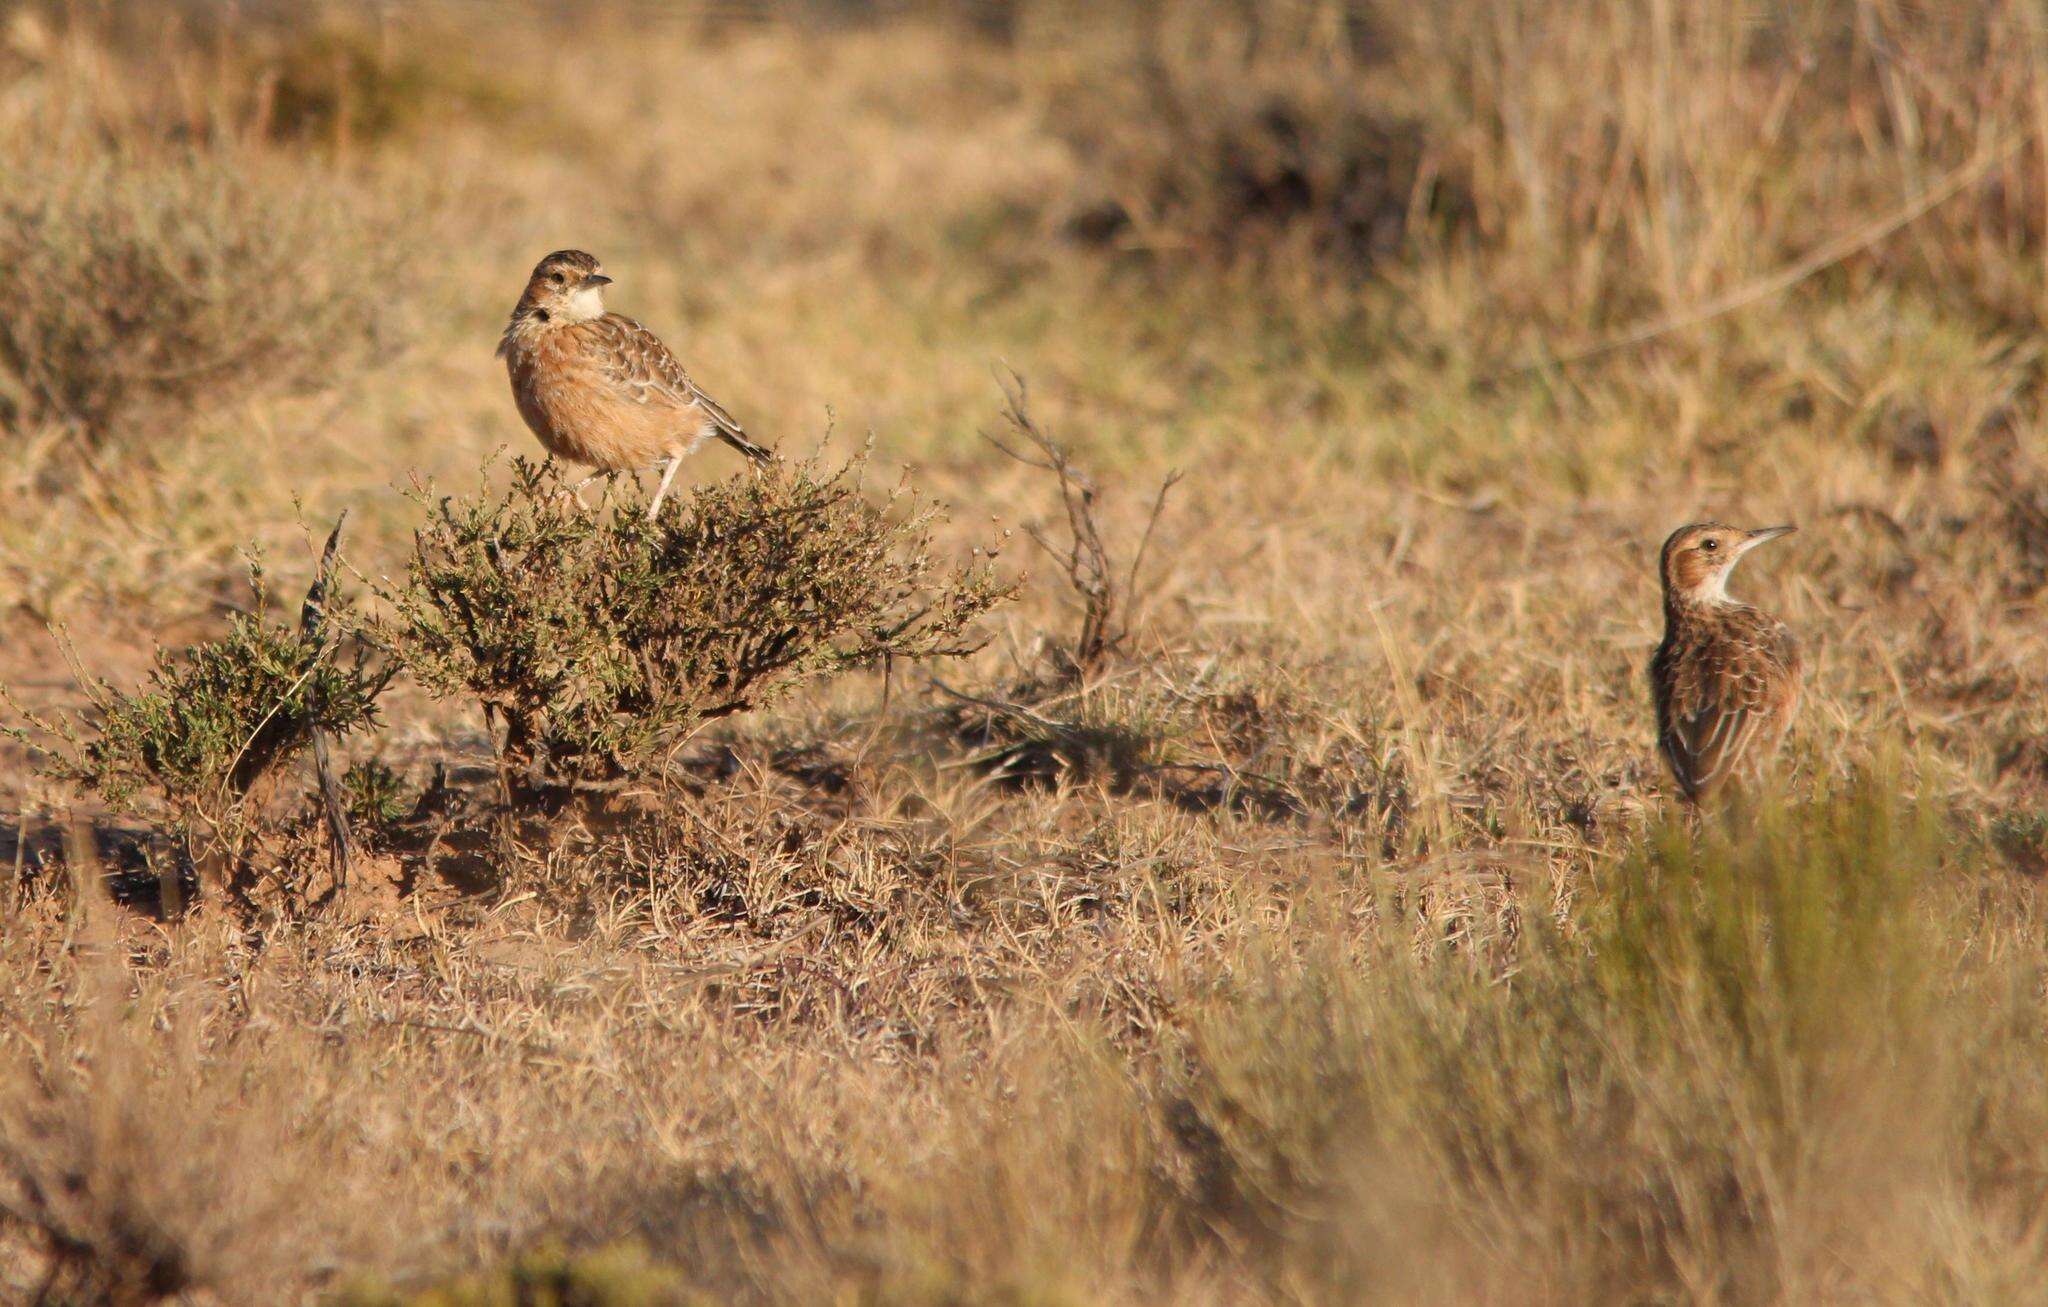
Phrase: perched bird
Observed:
(600, 389)
(1726, 677)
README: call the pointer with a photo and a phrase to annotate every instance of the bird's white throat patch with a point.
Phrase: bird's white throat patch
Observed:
(1714, 589)
(583, 305)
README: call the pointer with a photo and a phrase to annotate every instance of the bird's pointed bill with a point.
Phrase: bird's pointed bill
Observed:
(1757, 537)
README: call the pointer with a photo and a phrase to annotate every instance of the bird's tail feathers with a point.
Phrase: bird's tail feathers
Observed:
(737, 440)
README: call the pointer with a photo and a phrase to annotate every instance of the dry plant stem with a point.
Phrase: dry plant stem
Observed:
(1106, 607)
(313, 624)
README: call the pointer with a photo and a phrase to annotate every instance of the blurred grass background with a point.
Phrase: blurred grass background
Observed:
(1364, 970)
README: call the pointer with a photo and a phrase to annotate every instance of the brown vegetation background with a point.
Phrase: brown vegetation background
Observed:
(1320, 941)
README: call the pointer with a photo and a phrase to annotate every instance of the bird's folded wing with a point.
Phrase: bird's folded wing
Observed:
(1708, 738)
(635, 360)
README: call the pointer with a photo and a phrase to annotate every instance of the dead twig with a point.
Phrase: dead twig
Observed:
(313, 625)
(1108, 604)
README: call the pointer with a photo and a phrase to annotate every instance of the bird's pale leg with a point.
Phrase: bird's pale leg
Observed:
(668, 474)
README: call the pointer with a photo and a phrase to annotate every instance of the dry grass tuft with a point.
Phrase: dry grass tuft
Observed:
(113, 1149)
(1231, 131)
(142, 291)
(612, 1277)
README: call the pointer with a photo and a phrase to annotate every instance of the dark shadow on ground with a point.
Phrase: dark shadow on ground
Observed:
(138, 867)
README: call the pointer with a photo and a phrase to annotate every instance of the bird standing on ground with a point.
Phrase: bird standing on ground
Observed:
(1726, 677)
(600, 389)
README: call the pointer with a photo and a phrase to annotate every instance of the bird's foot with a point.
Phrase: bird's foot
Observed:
(575, 492)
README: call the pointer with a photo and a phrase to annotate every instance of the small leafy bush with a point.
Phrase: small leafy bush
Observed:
(375, 796)
(595, 641)
(212, 721)
(140, 291)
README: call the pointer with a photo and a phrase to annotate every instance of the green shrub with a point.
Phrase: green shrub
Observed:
(376, 799)
(212, 721)
(339, 82)
(595, 641)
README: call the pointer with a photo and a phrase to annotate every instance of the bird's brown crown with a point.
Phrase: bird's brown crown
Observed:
(1698, 558)
(568, 263)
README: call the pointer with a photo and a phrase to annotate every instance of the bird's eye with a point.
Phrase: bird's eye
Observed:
(555, 277)
(1710, 544)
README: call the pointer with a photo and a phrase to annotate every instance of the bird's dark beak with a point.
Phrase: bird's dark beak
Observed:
(1757, 537)
(596, 279)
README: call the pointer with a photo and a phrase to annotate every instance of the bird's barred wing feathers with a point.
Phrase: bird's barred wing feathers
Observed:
(1704, 746)
(1720, 704)
(634, 359)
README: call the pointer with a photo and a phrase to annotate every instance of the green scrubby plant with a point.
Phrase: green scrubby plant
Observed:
(595, 641)
(375, 796)
(210, 722)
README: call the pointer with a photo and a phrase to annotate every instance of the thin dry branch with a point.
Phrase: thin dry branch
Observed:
(1107, 603)
(313, 624)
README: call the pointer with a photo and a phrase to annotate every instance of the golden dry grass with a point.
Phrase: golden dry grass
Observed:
(1321, 944)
